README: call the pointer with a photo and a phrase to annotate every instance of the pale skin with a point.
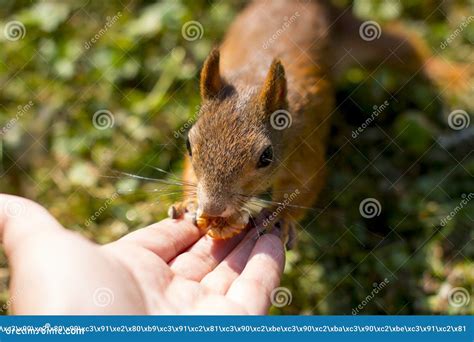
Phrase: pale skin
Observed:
(165, 268)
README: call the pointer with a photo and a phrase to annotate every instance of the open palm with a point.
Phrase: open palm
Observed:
(166, 268)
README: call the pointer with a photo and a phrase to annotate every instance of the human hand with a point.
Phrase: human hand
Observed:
(166, 268)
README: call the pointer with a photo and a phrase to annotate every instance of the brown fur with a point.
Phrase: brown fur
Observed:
(243, 83)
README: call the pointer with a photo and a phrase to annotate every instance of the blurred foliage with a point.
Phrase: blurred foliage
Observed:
(78, 57)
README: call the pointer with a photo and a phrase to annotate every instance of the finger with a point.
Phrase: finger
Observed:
(48, 261)
(260, 276)
(166, 238)
(22, 220)
(215, 305)
(230, 268)
(203, 257)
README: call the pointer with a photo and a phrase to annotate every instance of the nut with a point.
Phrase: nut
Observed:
(221, 228)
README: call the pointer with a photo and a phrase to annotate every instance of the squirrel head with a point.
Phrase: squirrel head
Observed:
(233, 146)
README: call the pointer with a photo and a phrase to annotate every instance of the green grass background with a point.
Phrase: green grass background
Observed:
(144, 72)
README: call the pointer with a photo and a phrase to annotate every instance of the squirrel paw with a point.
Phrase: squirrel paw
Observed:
(265, 222)
(288, 233)
(262, 221)
(183, 209)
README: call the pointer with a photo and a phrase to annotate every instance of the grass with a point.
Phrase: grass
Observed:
(80, 57)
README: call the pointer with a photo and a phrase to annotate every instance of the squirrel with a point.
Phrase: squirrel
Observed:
(267, 100)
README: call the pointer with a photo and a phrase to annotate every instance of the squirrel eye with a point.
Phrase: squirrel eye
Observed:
(265, 158)
(188, 147)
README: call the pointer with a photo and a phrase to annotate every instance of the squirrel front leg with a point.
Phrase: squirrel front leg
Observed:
(296, 191)
(302, 171)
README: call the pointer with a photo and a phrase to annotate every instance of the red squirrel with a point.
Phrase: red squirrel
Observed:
(267, 101)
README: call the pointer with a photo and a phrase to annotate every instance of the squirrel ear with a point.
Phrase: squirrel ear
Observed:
(273, 93)
(211, 81)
